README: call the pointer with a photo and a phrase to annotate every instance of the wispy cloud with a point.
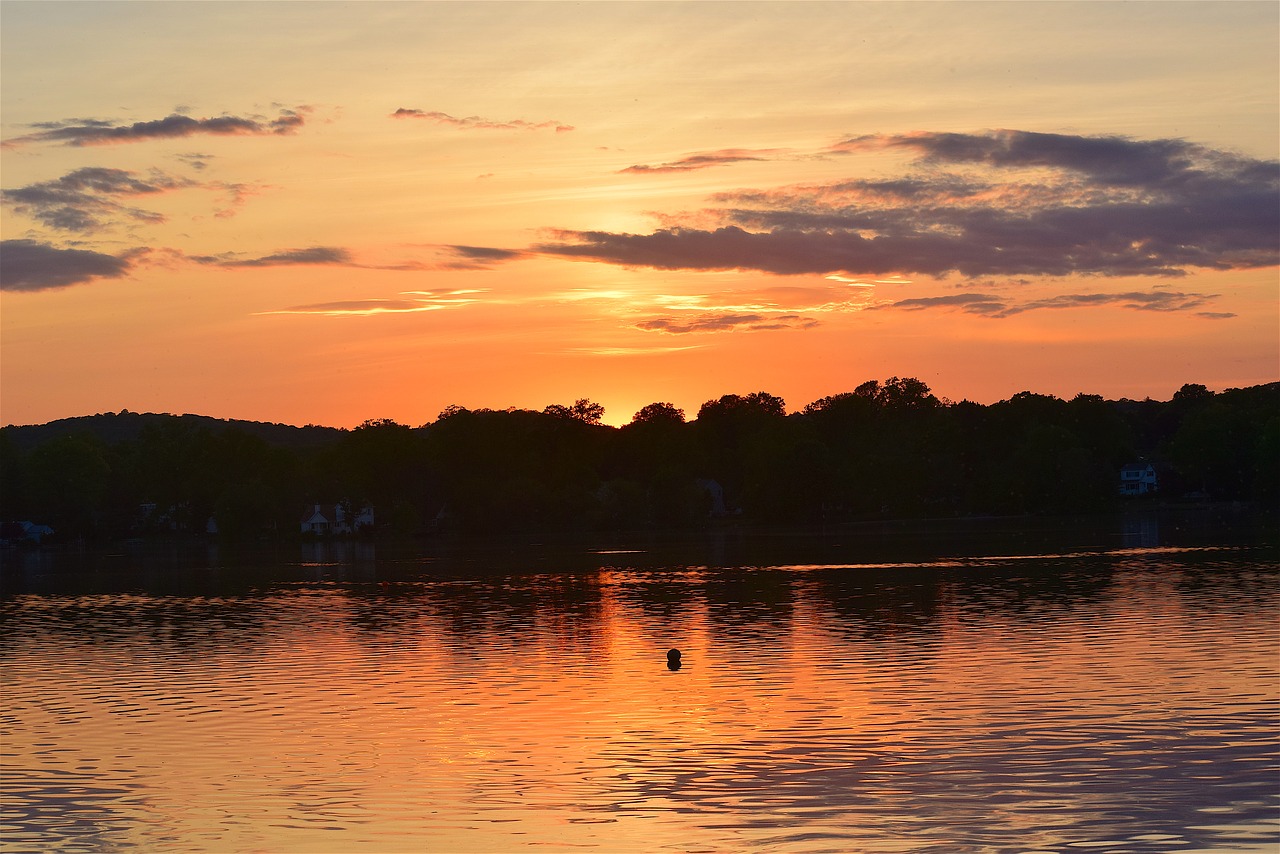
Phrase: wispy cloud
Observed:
(196, 160)
(989, 305)
(773, 300)
(84, 132)
(743, 309)
(32, 265)
(447, 257)
(724, 322)
(1001, 203)
(993, 305)
(311, 255)
(478, 123)
(357, 308)
(29, 265)
(417, 301)
(705, 160)
(631, 351)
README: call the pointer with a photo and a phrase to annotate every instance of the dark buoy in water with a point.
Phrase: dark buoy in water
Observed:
(673, 659)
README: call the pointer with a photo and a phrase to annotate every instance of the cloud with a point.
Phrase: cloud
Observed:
(1001, 203)
(991, 305)
(718, 322)
(1108, 160)
(196, 160)
(83, 132)
(447, 298)
(455, 257)
(451, 257)
(86, 199)
(311, 255)
(774, 300)
(29, 265)
(479, 257)
(418, 301)
(478, 123)
(631, 351)
(985, 304)
(359, 307)
(705, 160)
(1136, 300)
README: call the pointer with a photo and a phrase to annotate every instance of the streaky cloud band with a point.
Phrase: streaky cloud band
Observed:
(478, 123)
(82, 132)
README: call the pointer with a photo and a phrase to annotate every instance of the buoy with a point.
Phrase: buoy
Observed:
(673, 659)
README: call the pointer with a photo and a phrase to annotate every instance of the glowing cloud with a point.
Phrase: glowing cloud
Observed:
(775, 300)
(419, 301)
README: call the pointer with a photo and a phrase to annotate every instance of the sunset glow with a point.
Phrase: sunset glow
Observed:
(327, 212)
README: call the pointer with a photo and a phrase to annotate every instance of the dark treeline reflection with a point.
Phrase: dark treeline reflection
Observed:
(466, 604)
(886, 450)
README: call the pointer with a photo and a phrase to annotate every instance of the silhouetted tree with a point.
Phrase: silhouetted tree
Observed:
(586, 411)
(659, 413)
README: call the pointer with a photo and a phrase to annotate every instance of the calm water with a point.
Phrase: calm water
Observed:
(964, 697)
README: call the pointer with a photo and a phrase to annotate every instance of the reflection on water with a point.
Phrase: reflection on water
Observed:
(1115, 699)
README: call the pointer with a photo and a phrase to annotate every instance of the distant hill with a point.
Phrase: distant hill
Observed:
(126, 426)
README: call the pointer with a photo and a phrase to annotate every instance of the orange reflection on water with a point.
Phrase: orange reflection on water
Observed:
(816, 708)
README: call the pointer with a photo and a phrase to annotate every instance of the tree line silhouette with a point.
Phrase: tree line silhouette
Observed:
(887, 449)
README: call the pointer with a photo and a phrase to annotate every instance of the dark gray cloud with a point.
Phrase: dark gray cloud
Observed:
(705, 160)
(1038, 205)
(478, 123)
(1108, 160)
(288, 257)
(81, 132)
(486, 253)
(29, 265)
(88, 199)
(985, 304)
(479, 257)
(1136, 300)
(456, 257)
(992, 305)
(723, 322)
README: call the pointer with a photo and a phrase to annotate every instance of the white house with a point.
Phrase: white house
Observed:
(336, 519)
(1137, 479)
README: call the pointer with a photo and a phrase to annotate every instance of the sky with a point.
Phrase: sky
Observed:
(322, 213)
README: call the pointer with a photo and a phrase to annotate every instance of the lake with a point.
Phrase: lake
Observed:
(1104, 686)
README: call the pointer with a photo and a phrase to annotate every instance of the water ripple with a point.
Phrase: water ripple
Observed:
(1088, 701)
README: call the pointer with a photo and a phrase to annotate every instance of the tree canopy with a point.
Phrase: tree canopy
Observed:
(885, 449)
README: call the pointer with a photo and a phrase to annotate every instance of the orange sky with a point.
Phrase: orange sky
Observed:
(322, 213)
